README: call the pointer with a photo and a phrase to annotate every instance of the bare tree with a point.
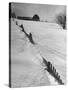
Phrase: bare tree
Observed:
(13, 15)
(61, 20)
(36, 18)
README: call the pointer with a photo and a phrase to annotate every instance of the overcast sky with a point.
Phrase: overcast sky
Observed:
(45, 12)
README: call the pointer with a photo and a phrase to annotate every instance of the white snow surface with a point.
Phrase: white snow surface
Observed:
(50, 41)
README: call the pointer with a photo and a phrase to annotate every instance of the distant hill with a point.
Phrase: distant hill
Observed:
(34, 18)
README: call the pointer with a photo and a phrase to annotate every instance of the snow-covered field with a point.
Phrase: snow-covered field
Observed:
(26, 69)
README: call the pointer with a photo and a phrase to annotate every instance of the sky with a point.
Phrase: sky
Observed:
(45, 12)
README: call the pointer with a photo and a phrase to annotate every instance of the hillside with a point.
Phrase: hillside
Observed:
(26, 61)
